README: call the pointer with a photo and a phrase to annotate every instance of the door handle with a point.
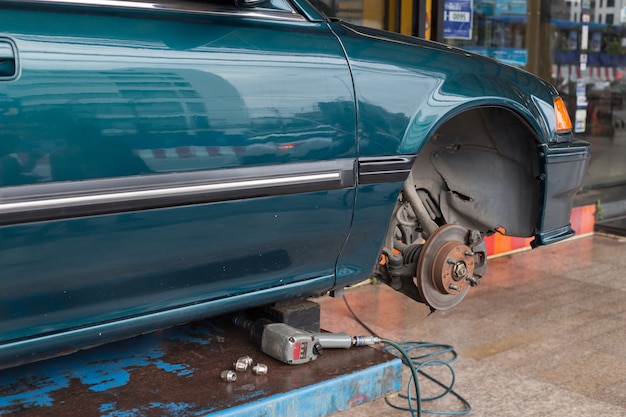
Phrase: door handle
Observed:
(8, 64)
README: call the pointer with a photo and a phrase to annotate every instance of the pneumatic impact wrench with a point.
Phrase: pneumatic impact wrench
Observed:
(294, 346)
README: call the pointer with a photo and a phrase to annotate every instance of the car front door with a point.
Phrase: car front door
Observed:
(156, 157)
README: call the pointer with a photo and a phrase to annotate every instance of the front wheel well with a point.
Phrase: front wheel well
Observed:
(478, 174)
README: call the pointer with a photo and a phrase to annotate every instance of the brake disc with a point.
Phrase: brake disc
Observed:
(445, 267)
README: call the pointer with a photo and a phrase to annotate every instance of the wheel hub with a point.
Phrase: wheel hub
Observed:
(445, 268)
(453, 263)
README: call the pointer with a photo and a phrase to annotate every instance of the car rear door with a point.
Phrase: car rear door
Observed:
(159, 156)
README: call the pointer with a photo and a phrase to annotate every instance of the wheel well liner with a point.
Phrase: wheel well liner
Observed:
(480, 168)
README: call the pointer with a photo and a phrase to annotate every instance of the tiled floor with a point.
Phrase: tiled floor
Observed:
(543, 335)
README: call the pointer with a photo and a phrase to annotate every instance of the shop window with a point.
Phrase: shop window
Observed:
(498, 31)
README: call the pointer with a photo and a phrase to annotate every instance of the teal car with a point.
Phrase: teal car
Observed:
(163, 162)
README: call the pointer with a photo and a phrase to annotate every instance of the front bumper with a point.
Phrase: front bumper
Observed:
(563, 171)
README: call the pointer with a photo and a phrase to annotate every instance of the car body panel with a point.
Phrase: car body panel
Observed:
(190, 159)
(149, 106)
(443, 82)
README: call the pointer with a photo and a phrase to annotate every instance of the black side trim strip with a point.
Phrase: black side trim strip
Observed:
(375, 170)
(31, 203)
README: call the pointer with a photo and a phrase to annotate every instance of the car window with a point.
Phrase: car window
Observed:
(325, 7)
(274, 5)
(233, 5)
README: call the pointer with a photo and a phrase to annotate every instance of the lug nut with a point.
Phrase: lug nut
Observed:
(229, 376)
(259, 369)
(242, 363)
(460, 270)
(454, 287)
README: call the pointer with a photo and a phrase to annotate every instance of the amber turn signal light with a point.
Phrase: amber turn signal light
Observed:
(563, 122)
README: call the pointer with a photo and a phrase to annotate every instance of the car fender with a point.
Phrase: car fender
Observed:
(407, 87)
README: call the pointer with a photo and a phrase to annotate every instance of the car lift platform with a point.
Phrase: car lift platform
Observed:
(177, 372)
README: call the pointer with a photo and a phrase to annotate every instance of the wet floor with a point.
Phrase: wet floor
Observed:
(543, 335)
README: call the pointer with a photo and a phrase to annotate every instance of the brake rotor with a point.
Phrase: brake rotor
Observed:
(445, 264)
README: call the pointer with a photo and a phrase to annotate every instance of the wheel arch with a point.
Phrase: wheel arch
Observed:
(420, 130)
(477, 173)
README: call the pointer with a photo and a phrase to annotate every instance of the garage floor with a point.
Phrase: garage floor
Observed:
(543, 335)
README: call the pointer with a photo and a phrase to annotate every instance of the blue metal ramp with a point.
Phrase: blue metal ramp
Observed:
(176, 372)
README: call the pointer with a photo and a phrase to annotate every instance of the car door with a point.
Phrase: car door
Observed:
(161, 156)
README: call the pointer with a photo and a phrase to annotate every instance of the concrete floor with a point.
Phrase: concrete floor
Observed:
(543, 335)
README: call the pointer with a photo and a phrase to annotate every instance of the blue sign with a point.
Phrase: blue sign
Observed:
(457, 19)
